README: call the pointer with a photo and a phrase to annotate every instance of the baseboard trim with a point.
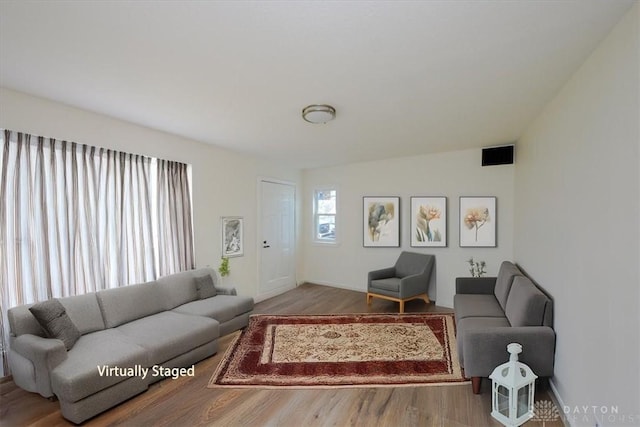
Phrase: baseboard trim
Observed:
(559, 403)
(273, 293)
(335, 285)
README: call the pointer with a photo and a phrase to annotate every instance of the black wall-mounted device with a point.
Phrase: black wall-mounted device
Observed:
(502, 155)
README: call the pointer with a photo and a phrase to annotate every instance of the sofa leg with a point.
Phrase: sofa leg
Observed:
(475, 384)
(401, 306)
(542, 384)
(369, 296)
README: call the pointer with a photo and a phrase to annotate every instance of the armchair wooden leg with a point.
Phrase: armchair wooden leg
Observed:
(369, 296)
(475, 384)
(401, 306)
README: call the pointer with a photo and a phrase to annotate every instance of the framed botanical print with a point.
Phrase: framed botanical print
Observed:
(381, 221)
(478, 222)
(428, 222)
(232, 235)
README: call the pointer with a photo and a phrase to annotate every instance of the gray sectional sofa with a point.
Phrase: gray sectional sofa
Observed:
(492, 312)
(172, 322)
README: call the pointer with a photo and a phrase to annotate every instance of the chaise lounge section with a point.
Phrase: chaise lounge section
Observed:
(492, 312)
(129, 338)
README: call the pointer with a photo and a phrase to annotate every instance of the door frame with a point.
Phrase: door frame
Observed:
(259, 295)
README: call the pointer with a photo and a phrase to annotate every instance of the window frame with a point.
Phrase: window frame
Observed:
(316, 216)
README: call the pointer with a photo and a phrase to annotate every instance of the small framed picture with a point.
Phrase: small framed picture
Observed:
(381, 222)
(478, 222)
(428, 222)
(232, 235)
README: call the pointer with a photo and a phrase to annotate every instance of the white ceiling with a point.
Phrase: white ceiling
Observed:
(405, 78)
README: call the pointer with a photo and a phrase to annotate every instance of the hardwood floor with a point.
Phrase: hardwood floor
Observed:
(187, 401)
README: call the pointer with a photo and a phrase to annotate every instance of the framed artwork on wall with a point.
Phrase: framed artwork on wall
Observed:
(381, 222)
(232, 235)
(428, 222)
(478, 222)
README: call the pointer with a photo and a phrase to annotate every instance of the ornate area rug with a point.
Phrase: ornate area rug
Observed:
(354, 350)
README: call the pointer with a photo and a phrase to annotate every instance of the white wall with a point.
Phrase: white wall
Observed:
(224, 183)
(577, 226)
(450, 174)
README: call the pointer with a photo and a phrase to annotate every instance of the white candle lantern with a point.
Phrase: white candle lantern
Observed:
(513, 387)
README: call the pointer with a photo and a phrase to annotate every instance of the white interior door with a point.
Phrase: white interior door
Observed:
(277, 245)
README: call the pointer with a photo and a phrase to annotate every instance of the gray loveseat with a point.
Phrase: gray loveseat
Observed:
(492, 312)
(172, 322)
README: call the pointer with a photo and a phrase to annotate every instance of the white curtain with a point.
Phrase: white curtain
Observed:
(174, 230)
(77, 219)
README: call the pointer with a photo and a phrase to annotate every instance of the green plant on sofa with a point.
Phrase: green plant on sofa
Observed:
(224, 267)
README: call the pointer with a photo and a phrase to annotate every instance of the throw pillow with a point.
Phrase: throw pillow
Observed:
(53, 318)
(205, 287)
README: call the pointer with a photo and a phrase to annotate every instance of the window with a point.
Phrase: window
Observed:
(324, 215)
(76, 219)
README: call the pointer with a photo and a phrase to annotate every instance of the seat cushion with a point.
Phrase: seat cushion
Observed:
(476, 305)
(470, 323)
(78, 376)
(168, 334)
(526, 304)
(391, 284)
(504, 281)
(221, 307)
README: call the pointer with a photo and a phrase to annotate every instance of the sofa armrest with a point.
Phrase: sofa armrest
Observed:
(384, 273)
(484, 349)
(226, 290)
(475, 285)
(45, 354)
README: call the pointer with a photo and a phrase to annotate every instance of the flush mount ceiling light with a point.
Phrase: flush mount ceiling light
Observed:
(318, 113)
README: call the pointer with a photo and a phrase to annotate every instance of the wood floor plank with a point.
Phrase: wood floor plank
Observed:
(188, 402)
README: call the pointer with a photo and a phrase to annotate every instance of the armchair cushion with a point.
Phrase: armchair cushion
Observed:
(383, 273)
(410, 263)
(390, 284)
